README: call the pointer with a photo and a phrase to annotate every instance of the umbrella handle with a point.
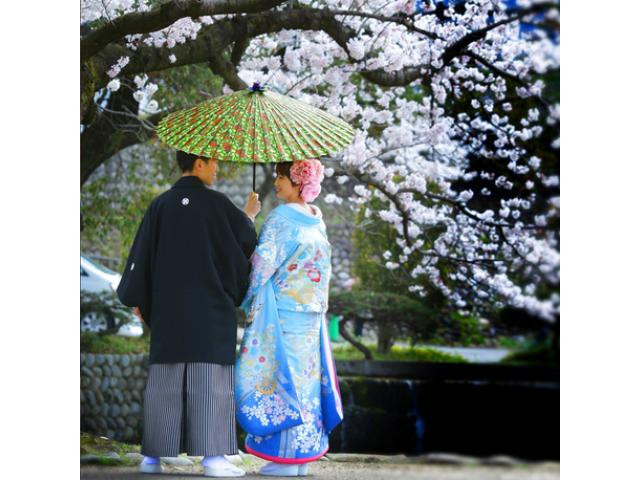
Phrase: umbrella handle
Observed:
(254, 176)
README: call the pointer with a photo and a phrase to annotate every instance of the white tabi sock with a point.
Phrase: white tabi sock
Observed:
(218, 466)
(280, 469)
(216, 461)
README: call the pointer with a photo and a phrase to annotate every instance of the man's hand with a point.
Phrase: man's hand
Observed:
(138, 313)
(252, 207)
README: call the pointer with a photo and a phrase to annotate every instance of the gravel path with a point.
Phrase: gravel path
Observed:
(367, 467)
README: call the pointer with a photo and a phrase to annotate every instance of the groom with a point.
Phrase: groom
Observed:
(187, 271)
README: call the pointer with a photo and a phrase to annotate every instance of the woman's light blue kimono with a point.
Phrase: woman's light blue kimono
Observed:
(286, 392)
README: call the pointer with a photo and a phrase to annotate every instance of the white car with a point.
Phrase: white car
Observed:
(96, 278)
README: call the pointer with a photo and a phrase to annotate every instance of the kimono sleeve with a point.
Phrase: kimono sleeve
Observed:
(134, 289)
(275, 245)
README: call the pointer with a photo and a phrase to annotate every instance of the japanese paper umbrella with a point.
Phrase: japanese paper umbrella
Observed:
(255, 125)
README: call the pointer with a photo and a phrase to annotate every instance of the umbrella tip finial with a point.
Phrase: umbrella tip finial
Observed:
(256, 87)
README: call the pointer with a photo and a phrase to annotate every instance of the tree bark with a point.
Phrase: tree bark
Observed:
(163, 16)
(111, 131)
(385, 336)
(347, 336)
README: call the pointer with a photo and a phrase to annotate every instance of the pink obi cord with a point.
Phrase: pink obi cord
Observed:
(284, 460)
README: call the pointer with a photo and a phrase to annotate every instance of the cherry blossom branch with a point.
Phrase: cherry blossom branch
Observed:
(432, 196)
(506, 75)
(399, 78)
(405, 222)
(227, 70)
(478, 261)
(464, 210)
(224, 32)
(163, 16)
(409, 74)
(503, 237)
(457, 48)
(405, 216)
(404, 20)
(116, 128)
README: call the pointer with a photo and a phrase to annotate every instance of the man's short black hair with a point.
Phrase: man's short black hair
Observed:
(186, 160)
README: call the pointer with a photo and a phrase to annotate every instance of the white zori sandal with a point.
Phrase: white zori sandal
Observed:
(222, 468)
(284, 470)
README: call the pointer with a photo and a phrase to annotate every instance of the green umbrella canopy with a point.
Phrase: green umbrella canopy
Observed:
(255, 126)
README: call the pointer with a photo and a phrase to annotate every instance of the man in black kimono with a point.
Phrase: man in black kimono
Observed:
(187, 271)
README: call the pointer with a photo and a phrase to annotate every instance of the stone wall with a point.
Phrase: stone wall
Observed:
(341, 253)
(111, 394)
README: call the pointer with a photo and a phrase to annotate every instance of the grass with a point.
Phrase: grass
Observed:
(408, 354)
(510, 343)
(95, 343)
(100, 446)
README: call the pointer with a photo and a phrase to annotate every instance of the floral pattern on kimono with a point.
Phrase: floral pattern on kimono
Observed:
(266, 400)
(293, 250)
(287, 395)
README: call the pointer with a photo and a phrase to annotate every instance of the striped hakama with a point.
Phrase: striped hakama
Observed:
(189, 408)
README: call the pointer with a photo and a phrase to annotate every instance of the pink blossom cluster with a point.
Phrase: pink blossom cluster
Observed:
(308, 174)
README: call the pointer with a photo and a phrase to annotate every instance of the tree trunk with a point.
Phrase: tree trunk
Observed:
(347, 336)
(111, 131)
(385, 336)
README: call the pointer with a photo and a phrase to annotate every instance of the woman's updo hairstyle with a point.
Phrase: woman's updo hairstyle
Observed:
(308, 174)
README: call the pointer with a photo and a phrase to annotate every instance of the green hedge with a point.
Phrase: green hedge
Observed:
(95, 343)
(409, 354)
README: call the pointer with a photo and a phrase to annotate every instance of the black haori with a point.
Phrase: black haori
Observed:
(187, 271)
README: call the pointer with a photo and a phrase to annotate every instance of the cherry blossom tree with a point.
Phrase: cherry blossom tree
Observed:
(457, 127)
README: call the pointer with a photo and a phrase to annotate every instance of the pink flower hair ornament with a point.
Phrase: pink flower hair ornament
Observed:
(308, 174)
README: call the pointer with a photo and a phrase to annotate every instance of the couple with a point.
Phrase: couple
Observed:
(195, 259)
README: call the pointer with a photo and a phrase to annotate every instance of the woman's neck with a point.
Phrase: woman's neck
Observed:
(303, 204)
(299, 201)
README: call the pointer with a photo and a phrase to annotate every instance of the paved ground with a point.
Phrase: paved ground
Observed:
(472, 354)
(366, 467)
(475, 354)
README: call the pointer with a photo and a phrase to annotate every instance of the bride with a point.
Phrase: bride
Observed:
(287, 396)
